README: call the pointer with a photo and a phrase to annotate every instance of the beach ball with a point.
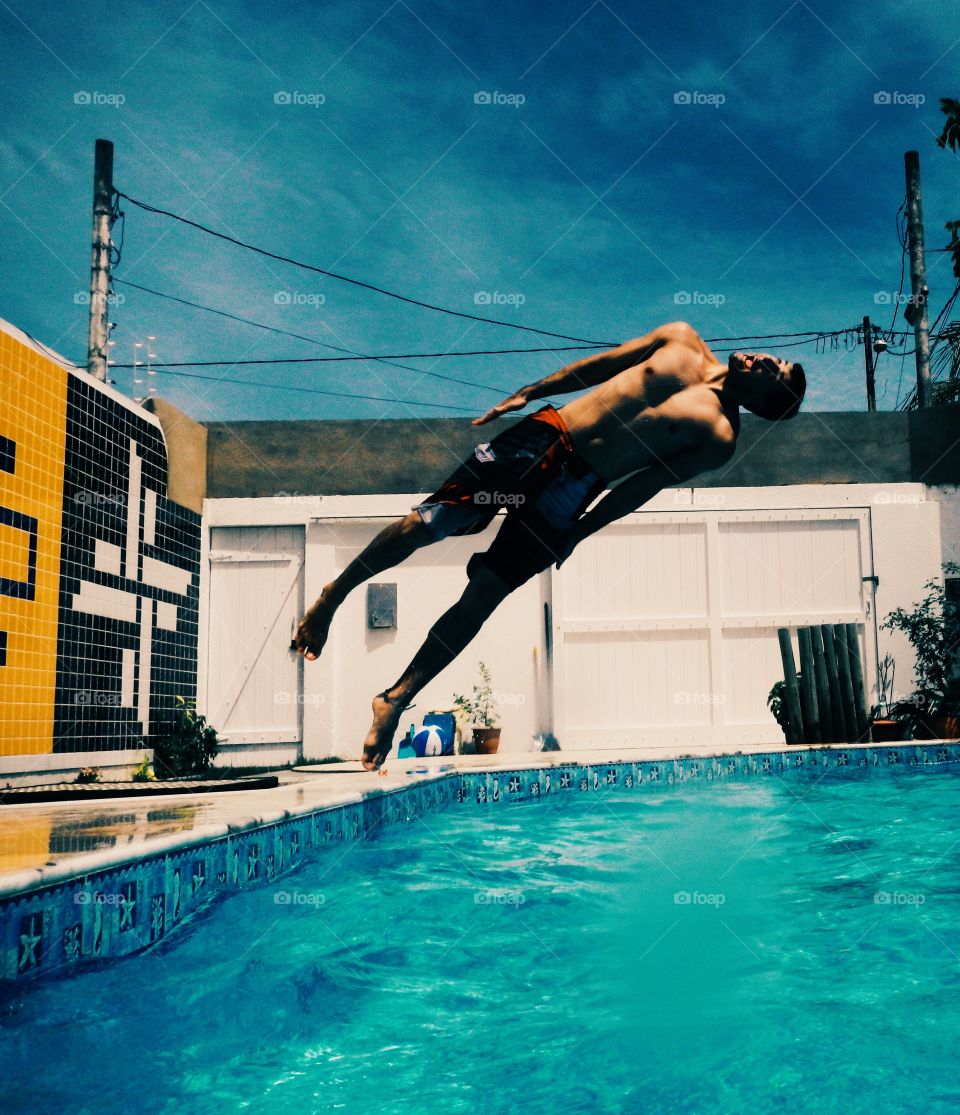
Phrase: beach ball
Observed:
(428, 741)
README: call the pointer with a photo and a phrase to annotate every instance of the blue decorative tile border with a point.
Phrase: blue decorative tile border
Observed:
(124, 909)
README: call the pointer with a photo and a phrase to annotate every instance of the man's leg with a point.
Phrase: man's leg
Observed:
(391, 546)
(447, 638)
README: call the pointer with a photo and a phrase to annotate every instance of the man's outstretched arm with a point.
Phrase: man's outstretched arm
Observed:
(590, 371)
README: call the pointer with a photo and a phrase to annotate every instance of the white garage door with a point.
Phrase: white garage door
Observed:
(665, 625)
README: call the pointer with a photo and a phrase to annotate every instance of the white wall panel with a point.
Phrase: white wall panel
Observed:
(665, 625)
(255, 597)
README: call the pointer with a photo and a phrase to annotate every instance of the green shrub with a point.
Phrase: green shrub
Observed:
(143, 773)
(190, 748)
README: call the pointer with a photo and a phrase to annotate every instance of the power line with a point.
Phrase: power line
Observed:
(357, 282)
(310, 390)
(812, 333)
(408, 356)
(334, 348)
(347, 359)
(301, 337)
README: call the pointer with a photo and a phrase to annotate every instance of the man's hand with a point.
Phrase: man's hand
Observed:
(516, 402)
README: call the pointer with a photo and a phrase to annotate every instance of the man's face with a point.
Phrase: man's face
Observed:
(760, 369)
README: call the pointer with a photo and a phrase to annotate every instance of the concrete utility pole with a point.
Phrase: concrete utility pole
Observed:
(100, 258)
(868, 360)
(916, 312)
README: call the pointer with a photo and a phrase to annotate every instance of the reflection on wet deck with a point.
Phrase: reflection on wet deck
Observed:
(53, 833)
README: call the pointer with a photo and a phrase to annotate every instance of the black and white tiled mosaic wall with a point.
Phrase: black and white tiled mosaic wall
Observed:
(100, 586)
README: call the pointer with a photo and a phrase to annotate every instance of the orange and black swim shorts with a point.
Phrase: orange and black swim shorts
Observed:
(532, 471)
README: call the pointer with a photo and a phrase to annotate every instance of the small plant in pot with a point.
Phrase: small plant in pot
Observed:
(933, 627)
(480, 711)
(885, 727)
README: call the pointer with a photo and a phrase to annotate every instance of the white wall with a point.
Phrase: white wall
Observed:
(907, 548)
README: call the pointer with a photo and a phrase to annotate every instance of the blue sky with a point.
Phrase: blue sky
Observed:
(594, 207)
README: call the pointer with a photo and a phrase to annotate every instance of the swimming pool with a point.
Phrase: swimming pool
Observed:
(781, 944)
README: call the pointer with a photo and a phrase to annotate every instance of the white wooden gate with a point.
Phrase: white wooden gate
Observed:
(665, 624)
(253, 683)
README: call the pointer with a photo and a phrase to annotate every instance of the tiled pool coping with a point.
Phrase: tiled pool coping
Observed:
(115, 902)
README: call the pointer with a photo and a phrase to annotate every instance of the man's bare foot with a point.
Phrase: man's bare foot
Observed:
(379, 741)
(312, 630)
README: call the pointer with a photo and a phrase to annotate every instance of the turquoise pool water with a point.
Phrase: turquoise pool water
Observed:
(783, 945)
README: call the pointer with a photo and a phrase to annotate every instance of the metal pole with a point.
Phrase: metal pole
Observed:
(100, 258)
(916, 313)
(868, 360)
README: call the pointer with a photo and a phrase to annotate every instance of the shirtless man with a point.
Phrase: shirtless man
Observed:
(662, 409)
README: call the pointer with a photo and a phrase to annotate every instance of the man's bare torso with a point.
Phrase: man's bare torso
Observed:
(652, 411)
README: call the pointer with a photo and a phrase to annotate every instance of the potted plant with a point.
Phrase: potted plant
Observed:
(479, 710)
(933, 627)
(884, 726)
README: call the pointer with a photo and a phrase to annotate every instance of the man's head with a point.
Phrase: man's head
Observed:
(766, 385)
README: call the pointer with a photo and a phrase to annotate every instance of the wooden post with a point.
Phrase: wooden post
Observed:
(868, 362)
(846, 682)
(918, 278)
(100, 259)
(808, 688)
(827, 730)
(852, 641)
(842, 728)
(796, 732)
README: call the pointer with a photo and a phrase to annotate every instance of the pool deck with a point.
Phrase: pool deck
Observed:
(51, 842)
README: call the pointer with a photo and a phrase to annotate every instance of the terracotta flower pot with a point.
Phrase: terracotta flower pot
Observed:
(886, 731)
(486, 740)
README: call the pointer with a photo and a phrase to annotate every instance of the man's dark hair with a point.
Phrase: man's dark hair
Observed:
(785, 400)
